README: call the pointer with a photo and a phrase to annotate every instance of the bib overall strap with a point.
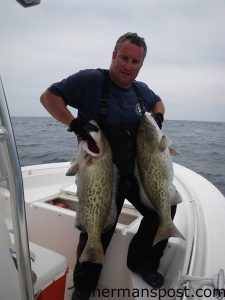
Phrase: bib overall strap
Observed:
(140, 99)
(103, 101)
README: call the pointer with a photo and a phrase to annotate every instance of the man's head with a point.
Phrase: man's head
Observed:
(127, 59)
(134, 38)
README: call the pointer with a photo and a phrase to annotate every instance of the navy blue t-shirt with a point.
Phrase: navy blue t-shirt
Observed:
(83, 90)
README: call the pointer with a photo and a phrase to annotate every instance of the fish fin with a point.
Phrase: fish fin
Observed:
(174, 196)
(176, 199)
(173, 151)
(164, 143)
(80, 227)
(78, 223)
(165, 232)
(73, 169)
(93, 253)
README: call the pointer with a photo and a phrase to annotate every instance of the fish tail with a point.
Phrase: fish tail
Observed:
(93, 253)
(165, 232)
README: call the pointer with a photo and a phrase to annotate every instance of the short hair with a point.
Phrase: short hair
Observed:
(134, 39)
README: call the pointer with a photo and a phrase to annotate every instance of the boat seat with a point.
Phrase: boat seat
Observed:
(46, 264)
(49, 267)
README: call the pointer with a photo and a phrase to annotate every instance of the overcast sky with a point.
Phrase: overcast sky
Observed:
(185, 64)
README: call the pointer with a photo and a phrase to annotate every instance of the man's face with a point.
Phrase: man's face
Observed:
(126, 64)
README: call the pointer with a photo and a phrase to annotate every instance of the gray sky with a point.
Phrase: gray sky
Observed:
(185, 64)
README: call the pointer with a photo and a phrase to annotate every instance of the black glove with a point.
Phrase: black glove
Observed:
(159, 119)
(81, 128)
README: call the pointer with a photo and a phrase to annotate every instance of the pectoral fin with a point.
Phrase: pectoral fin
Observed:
(173, 151)
(164, 143)
(73, 169)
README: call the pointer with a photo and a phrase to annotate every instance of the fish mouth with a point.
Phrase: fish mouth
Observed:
(149, 120)
(91, 145)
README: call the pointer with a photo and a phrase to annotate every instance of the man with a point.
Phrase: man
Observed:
(116, 101)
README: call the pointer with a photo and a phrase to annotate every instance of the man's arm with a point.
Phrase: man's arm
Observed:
(158, 108)
(56, 107)
(158, 111)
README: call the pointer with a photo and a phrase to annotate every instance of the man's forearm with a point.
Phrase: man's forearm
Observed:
(56, 107)
(158, 108)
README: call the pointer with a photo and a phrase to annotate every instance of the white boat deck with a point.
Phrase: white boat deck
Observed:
(198, 218)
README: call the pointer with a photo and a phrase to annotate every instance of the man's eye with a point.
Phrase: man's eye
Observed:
(124, 58)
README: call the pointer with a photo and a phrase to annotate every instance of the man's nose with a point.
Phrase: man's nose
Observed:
(128, 65)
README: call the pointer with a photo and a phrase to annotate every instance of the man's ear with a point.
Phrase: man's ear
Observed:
(114, 54)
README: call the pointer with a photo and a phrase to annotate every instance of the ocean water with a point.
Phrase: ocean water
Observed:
(202, 144)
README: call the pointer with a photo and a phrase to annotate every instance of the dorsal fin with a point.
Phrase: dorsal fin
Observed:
(73, 169)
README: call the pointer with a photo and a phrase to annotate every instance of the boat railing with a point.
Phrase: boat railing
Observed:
(10, 175)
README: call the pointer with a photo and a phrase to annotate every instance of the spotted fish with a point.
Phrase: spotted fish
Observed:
(155, 175)
(95, 179)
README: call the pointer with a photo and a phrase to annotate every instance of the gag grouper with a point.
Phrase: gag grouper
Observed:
(95, 190)
(155, 175)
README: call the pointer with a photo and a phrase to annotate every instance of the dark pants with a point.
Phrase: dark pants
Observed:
(141, 254)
